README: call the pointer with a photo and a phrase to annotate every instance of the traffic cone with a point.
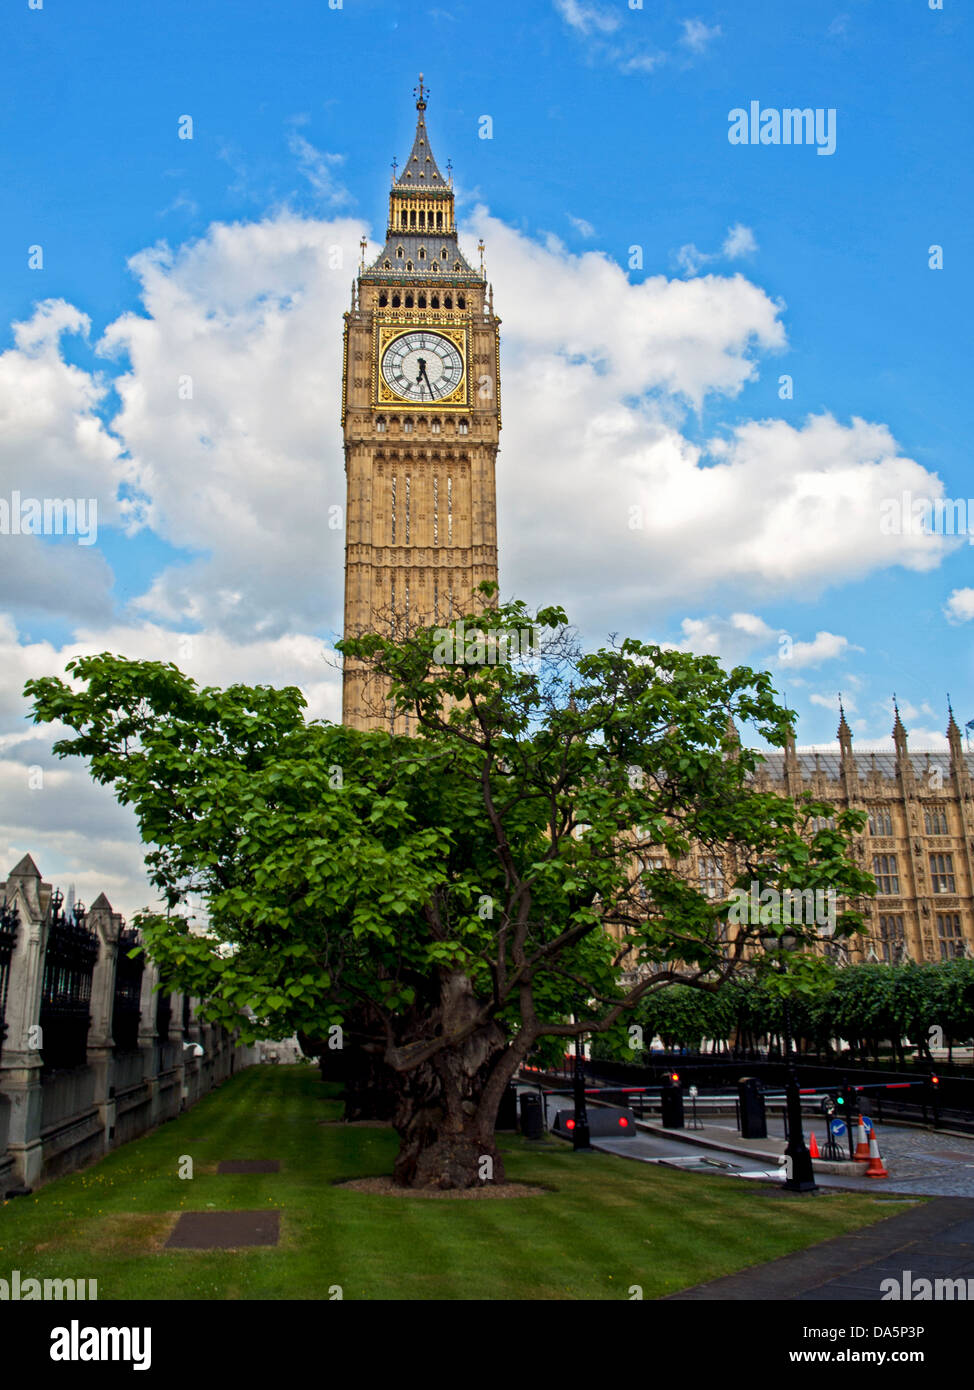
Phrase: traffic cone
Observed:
(813, 1147)
(863, 1152)
(875, 1169)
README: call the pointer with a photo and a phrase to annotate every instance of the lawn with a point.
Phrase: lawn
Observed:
(606, 1223)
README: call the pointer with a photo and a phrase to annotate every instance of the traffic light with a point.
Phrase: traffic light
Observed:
(935, 1081)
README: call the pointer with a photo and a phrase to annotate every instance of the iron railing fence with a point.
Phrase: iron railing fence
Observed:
(128, 992)
(69, 962)
(9, 925)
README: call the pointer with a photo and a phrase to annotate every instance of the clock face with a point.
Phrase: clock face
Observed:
(422, 366)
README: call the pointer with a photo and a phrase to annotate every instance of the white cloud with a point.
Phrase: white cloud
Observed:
(583, 228)
(319, 167)
(741, 635)
(690, 259)
(826, 646)
(243, 473)
(606, 40)
(75, 829)
(831, 702)
(697, 35)
(740, 241)
(587, 19)
(959, 607)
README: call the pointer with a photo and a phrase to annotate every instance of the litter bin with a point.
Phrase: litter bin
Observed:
(532, 1119)
(754, 1123)
(507, 1110)
(671, 1100)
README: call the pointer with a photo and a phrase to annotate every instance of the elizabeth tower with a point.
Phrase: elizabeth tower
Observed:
(421, 417)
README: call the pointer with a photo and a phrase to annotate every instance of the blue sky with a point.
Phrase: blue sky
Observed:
(610, 130)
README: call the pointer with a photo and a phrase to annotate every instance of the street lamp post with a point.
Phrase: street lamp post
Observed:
(581, 1138)
(801, 1174)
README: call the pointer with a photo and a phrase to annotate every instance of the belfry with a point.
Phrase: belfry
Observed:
(421, 419)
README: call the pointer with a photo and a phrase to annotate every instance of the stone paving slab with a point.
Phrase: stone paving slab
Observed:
(852, 1267)
(224, 1230)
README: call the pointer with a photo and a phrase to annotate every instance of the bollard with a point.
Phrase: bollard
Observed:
(671, 1100)
(754, 1122)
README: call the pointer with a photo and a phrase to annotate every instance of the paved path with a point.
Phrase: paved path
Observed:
(932, 1241)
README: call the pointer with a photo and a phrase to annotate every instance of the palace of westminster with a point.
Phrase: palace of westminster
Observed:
(421, 419)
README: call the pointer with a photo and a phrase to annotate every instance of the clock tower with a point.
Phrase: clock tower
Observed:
(421, 417)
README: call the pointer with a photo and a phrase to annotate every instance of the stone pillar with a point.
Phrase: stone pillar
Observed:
(193, 1063)
(101, 1044)
(148, 1041)
(20, 1060)
(176, 1041)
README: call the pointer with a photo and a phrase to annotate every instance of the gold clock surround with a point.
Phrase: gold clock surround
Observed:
(387, 330)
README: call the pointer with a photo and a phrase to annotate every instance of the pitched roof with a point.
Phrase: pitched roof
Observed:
(421, 170)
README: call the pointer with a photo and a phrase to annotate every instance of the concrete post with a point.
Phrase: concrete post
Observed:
(21, 1060)
(148, 1041)
(101, 1044)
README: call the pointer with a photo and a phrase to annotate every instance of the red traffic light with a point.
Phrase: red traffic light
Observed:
(935, 1080)
(569, 1124)
(674, 1076)
(623, 1121)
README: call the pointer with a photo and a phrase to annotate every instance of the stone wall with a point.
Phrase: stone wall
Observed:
(53, 1120)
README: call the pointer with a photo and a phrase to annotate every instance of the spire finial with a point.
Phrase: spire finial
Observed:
(421, 93)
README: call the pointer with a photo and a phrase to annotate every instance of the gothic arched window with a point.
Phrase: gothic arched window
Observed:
(383, 299)
(409, 301)
(448, 302)
(461, 302)
(399, 248)
(395, 301)
(422, 301)
(435, 301)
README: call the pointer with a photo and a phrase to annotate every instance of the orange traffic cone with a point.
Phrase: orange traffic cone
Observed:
(863, 1152)
(813, 1148)
(875, 1169)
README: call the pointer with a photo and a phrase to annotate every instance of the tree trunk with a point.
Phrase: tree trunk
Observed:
(446, 1130)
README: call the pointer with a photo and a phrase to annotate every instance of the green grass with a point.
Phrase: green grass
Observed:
(606, 1223)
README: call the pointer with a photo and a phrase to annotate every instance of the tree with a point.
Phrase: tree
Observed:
(455, 892)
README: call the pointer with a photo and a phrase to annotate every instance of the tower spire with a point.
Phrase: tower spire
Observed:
(421, 171)
(844, 732)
